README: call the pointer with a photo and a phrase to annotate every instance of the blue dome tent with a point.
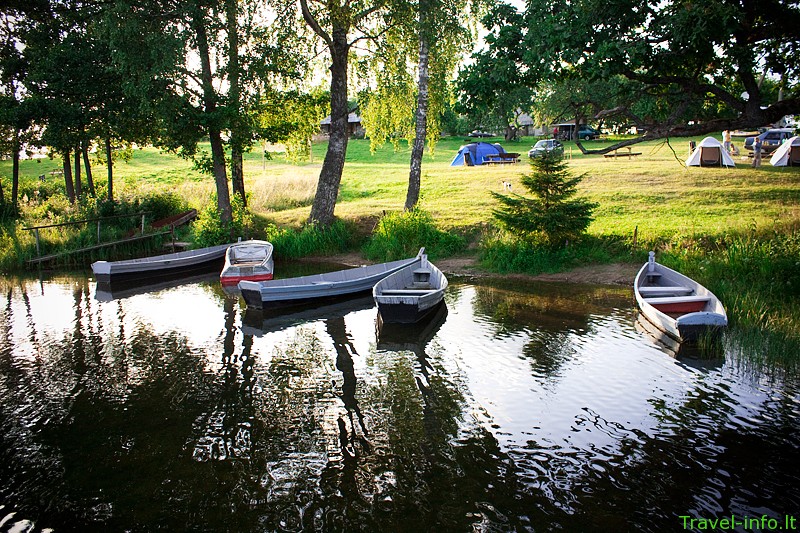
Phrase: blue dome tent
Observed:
(474, 153)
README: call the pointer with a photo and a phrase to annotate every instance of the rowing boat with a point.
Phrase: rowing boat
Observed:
(676, 304)
(247, 260)
(145, 268)
(261, 294)
(412, 292)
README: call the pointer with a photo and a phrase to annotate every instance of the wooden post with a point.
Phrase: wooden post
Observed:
(142, 223)
(172, 231)
(635, 237)
(98, 232)
(38, 252)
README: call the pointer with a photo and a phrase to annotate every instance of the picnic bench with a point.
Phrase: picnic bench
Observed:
(625, 151)
(500, 159)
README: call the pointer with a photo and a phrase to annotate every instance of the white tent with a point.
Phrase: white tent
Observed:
(710, 153)
(787, 154)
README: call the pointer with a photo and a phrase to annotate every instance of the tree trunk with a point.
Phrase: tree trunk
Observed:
(88, 167)
(110, 167)
(332, 167)
(220, 175)
(237, 171)
(418, 148)
(78, 184)
(70, 187)
(15, 170)
(234, 96)
(214, 130)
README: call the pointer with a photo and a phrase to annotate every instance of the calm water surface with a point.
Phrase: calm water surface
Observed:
(517, 408)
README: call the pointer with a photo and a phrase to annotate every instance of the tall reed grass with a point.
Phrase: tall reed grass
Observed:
(500, 251)
(311, 240)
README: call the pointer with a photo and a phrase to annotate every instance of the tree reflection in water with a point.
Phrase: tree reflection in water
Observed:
(342, 343)
(508, 411)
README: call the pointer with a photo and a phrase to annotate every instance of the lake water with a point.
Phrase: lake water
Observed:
(518, 407)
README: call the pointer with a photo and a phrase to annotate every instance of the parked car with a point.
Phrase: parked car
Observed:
(546, 145)
(478, 133)
(770, 139)
(587, 133)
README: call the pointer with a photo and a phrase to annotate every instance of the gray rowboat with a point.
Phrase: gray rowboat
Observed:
(411, 293)
(261, 294)
(150, 267)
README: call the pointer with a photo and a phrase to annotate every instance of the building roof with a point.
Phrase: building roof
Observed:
(352, 118)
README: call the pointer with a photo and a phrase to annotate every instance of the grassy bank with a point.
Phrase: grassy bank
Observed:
(652, 191)
(653, 195)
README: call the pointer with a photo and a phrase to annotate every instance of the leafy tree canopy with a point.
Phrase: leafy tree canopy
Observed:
(497, 84)
(715, 63)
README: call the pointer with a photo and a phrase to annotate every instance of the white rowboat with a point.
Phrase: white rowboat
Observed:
(676, 304)
(247, 260)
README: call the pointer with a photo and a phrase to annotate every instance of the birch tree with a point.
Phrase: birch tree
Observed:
(430, 38)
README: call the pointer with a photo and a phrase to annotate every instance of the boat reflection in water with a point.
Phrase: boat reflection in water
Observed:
(412, 337)
(516, 408)
(703, 353)
(259, 322)
(115, 290)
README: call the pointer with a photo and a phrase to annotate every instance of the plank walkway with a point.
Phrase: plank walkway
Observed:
(43, 258)
(169, 222)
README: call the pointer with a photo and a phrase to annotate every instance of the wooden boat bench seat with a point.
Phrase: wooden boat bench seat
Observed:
(679, 304)
(677, 299)
(665, 291)
(407, 292)
(246, 263)
(651, 277)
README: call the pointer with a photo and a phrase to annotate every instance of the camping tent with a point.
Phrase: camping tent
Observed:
(787, 154)
(473, 153)
(710, 153)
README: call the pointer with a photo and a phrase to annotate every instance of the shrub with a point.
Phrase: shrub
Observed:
(504, 252)
(312, 239)
(400, 235)
(552, 216)
(209, 229)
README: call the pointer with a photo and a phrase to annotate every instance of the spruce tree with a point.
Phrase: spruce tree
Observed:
(552, 216)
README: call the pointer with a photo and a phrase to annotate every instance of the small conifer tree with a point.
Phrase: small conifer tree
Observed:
(553, 216)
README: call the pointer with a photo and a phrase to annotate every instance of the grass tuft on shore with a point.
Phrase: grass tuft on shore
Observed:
(312, 240)
(401, 235)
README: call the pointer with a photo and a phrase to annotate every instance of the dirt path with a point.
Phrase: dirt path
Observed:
(467, 266)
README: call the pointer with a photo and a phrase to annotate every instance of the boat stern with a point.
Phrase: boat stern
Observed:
(102, 271)
(251, 292)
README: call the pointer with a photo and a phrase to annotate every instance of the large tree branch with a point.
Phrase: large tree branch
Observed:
(769, 115)
(313, 24)
(688, 84)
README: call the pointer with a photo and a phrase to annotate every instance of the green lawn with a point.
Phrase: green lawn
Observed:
(652, 191)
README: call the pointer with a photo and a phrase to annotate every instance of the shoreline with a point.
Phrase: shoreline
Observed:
(615, 274)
